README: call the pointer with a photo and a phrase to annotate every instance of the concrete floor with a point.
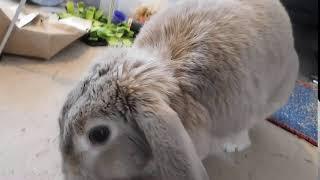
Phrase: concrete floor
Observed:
(32, 92)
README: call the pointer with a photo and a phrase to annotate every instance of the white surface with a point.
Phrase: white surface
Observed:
(79, 23)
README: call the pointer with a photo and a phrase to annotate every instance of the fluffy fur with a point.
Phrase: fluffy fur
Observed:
(199, 75)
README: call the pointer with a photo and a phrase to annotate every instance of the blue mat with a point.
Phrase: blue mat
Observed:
(299, 115)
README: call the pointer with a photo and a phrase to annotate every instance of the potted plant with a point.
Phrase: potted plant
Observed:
(110, 30)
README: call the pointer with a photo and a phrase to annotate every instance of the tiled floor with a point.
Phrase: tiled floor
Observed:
(32, 92)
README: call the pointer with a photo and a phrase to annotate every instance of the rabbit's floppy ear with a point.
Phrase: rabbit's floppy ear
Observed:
(172, 149)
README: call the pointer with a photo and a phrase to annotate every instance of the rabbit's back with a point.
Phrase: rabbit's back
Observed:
(234, 60)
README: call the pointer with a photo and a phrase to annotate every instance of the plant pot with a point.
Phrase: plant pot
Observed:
(100, 42)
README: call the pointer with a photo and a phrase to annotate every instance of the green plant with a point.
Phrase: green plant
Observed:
(102, 28)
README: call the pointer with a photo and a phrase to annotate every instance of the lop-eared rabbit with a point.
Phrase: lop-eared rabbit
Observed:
(199, 75)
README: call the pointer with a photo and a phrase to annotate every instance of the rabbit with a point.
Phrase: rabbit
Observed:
(198, 77)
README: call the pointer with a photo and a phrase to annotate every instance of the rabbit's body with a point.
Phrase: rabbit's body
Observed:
(234, 62)
(196, 80)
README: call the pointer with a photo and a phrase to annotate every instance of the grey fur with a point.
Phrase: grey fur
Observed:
(198, 72)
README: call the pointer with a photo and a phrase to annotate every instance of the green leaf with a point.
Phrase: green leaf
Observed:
(130, 34)
(81, 9)
(110, 26)
(81, 6)
(105, 33)
(127, 42)
(98, 14)
(109, 32)
(121, 29)
(104, 19)
(70, 7)
(97, 23)
(119, 34)
(90, 13)
(102, 34)
(112, 41)
(93, 34)
(94, 29)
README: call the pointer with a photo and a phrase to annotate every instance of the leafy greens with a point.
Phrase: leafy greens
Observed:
(114, 34)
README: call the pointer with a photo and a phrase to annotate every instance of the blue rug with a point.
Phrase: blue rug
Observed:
(299, 115)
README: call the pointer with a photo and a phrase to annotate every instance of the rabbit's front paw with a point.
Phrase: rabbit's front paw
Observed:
(237, 143)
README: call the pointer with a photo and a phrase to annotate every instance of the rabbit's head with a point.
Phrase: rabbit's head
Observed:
(117, 124)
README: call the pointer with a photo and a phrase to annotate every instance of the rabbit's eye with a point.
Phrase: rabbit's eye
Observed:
(99, 134)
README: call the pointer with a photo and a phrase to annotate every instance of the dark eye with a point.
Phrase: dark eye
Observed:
(99, 134)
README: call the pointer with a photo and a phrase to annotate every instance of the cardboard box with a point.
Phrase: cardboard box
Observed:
(40, 38)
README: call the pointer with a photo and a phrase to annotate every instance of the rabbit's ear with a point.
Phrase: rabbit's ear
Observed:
(172, 149)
